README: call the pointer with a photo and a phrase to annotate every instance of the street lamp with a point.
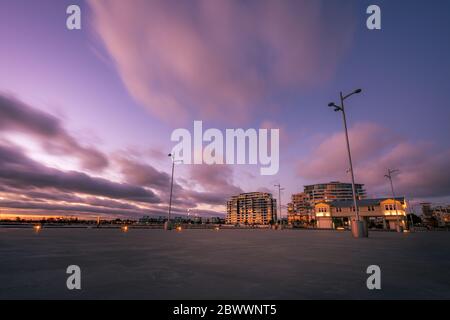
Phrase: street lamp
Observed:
(389, 176)
(358, 228)
(167, 224)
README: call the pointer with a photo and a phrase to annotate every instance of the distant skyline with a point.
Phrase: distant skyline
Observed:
(86, 115)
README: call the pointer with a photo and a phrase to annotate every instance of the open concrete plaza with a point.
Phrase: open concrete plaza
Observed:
(224, 264)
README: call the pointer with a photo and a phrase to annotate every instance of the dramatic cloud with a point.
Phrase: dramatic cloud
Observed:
(215, 182)
(215, 58)
(28, 187)
(32, 206)
(215, 178)
(17, 170)
(143, 174)
(424, 169)
(18, 116)
(27, 184)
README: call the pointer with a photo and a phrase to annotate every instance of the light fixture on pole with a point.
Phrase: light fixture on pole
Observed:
(359, 229)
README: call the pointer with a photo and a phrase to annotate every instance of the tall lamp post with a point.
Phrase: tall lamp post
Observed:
(167, 224)
(389, 176)
(358, 228)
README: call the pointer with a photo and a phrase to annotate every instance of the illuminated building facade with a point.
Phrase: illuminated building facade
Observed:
(333, 191)
(251, 208)
(437, 216)
(382, 211)
(299, 209)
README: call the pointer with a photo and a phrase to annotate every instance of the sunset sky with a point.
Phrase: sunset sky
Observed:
(86, 115)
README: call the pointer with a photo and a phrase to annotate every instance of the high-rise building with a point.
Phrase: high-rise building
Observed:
(299, 209)
(251, 208)
(333, 191)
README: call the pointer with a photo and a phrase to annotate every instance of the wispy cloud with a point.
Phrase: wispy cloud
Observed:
(18, 170)
(215, 58)
(17, 116)
(28, 185)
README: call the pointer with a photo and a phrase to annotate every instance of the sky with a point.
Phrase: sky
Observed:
(86, 115)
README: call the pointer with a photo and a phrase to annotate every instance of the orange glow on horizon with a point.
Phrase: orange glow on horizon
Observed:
(8, 216)
(11, 216)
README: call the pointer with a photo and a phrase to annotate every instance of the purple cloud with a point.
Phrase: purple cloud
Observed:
(424, 169)
(15, 116)
(17, 170)
(215, 58)
(215, 180)
(143, 174)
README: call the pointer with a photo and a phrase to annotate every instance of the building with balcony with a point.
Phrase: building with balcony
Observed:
(333, 191)
(299, 209)
(252, 208)
(436, 216)
(381, 212)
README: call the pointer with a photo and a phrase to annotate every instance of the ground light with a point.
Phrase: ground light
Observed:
(179, 228)
(125, 228)
(37, 228)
